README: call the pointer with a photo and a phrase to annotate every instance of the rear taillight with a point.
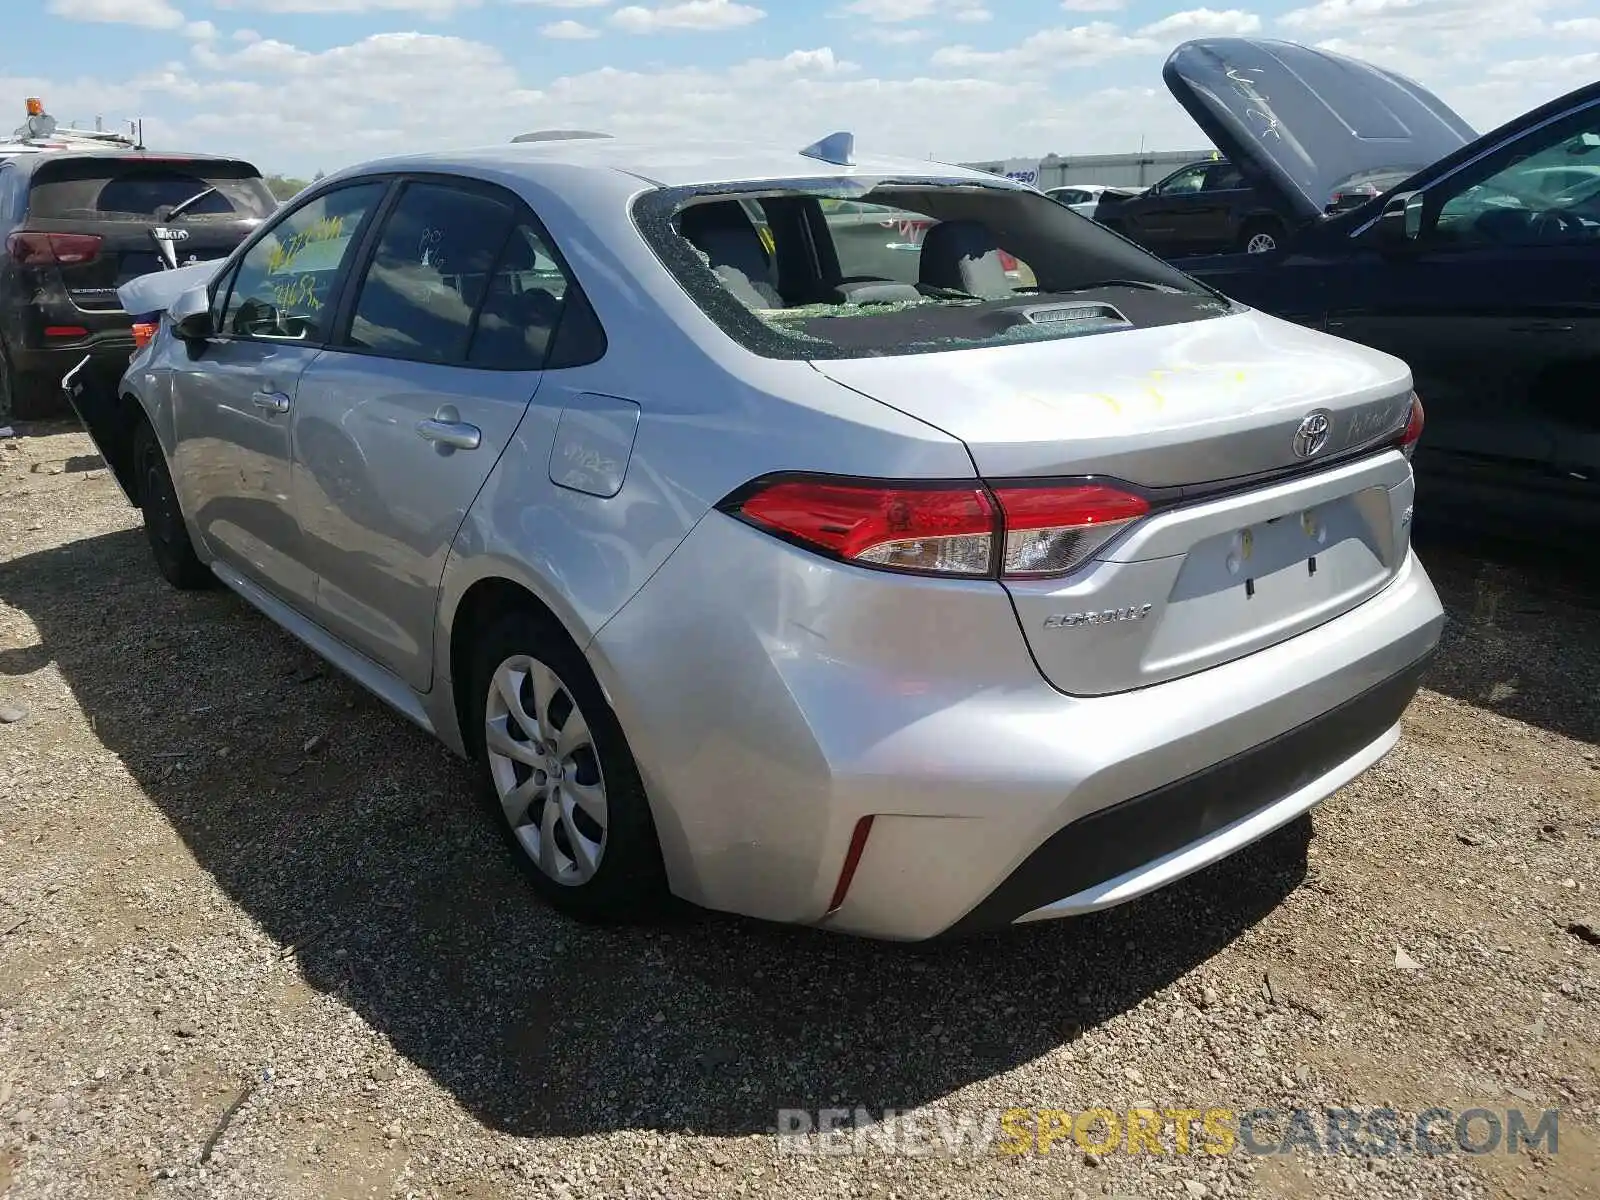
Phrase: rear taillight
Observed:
(144, 333)
(1413, 431)
(1050, 530)
(946, 531)
(33, 249)
(1016, 532)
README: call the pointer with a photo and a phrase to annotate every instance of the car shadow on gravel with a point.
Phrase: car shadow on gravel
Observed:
(357, 844)
(1523, 639)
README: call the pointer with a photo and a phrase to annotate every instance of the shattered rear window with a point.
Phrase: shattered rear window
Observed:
(816, 269)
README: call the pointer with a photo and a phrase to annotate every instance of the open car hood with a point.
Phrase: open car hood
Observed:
(1305, 121)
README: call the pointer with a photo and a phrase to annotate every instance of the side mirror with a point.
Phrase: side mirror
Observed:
(191, 315)
(1400, 224)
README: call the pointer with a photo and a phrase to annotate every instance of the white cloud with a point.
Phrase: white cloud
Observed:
(1417, 23)
(1092, 5)
(890, 11)
(1203, 22)
(1446, 45)
(1582, 26)
(1050, 48)
(402, 92)
(688, 14)
(399, 92)
(821, 61)
(200, 31)
(246, 35)
(424, 8)
(150, 14)
(895, 12)
(891, 37)
(1571, 70)
(570, 31)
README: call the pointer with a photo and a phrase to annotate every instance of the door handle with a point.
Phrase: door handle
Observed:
(1541, 327)
(456, 434)
(272, 402)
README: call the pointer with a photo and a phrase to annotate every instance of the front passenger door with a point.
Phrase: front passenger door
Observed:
(398, 425)
(232, 402)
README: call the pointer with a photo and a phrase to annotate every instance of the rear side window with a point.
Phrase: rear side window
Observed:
(526, 299)
(143, 189)
(430, 271)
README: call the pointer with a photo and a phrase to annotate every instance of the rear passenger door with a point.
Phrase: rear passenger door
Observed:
(441, 347)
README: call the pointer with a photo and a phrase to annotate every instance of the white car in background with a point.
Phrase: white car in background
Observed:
(1083, 198)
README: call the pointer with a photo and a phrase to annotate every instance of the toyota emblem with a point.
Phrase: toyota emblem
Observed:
(1312, 435)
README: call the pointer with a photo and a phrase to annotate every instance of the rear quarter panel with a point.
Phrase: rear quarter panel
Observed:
(712, 416)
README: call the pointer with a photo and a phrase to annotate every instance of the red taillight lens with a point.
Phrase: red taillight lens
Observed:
(946, 529)
(34, 249)
(1413, 434)
(1050, 530)
(143, 334)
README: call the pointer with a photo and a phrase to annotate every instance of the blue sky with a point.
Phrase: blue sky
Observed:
(298, 85)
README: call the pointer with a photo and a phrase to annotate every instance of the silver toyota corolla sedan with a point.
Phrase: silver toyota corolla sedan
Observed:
(860, 542)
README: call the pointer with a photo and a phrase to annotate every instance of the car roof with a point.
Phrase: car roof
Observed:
(33, 156)
(683, 163)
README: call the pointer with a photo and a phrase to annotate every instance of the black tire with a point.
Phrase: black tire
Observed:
(26, 397)
(1262, 228)
(629, 882)
(163, 519)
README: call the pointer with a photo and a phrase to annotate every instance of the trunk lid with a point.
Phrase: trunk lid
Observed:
(1306, 121)
(1165, 406)
(1225, 564)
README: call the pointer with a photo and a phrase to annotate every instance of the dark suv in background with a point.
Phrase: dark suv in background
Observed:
(1204, 208)
(78, 223)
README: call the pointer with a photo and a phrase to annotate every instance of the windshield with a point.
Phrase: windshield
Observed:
(115, 189)
(906, 268)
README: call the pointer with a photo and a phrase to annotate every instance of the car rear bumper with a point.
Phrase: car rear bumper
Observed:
(109, 350)
(774, 701)
(1132, 848)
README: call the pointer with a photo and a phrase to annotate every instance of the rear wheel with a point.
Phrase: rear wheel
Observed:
(560, 776)
(1261, 237)
(22, 396)
(163, 519)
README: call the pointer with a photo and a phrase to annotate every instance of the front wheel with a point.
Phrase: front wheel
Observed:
(163, 519)
(560, 774)
(1261, 237)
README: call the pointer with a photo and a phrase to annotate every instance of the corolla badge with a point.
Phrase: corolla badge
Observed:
(1107, 616)
(1312, 435)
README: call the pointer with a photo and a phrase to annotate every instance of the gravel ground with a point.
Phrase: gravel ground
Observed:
(237, 894)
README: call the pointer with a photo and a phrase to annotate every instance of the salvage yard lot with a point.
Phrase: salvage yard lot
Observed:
(228, 874)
